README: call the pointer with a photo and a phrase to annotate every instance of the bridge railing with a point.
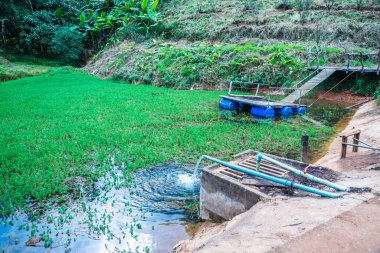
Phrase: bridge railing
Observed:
(318, 55)
(361, 56)
(314, 54)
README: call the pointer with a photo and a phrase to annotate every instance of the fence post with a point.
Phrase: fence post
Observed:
(317, 59)
(304, 147)
(344, 147)
(348, 61)
(356, 142)
(362, 61)
(378, 63)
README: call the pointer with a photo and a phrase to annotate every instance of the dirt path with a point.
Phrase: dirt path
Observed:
(344, 233)
(348, 224)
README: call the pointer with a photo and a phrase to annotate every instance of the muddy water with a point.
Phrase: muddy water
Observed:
(148, 216)
(331, 114)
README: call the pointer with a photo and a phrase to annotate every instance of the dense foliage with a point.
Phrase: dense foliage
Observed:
(101, 20)
(63, 29)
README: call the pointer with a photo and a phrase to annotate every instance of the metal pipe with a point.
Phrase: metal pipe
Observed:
(361, 146)
(302, 174)
(362, 142)
(230, 88)
(271, 178)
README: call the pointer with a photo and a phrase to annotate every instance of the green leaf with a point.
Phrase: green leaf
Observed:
(82, 18)
(144, 4)
(58, 12)
(154, 4)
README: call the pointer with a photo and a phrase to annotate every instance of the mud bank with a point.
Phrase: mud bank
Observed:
(279, 224)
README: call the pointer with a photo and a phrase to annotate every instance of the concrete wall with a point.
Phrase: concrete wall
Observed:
(222, 198)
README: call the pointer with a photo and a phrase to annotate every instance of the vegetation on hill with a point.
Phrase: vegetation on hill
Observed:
(353, 22)
(203, 44)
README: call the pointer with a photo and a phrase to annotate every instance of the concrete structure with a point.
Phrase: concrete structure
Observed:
(226, 193)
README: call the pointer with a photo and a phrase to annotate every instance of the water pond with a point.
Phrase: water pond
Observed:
(146, 217)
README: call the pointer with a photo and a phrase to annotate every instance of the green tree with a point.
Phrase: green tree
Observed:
(67, 44)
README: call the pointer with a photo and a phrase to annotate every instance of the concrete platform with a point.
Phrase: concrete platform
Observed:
(226, 193)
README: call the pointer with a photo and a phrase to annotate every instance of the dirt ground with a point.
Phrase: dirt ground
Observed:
(344, 233)
(345, 97)
(366, 119)
(310, 224)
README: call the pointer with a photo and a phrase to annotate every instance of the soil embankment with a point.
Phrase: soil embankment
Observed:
(284, 224)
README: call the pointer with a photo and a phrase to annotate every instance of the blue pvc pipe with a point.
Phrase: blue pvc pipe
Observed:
(301, 173)
(273, 179)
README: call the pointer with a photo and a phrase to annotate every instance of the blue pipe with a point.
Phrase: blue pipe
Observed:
(273, 179)
(300, 173)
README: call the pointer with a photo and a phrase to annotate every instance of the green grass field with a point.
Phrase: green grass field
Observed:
(65, 124)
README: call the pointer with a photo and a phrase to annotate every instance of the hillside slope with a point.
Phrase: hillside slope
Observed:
(201, 44)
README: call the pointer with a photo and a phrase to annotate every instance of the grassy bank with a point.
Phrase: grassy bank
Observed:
(200, 65)
(14, 66)
(66, 125)
(11, 71)
(197, 65)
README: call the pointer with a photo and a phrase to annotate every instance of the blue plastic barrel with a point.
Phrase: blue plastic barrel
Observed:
(228, 104)
(284, 111)
(299, 110)
(266, 112)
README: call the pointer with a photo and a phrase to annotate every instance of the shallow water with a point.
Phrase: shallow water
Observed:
(328, 113)
(324, 111)
(147, 217)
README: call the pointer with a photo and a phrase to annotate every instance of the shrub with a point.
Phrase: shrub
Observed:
(329, 4)
(303, 7)
(37, 30)
(67, 44)
(284, 5)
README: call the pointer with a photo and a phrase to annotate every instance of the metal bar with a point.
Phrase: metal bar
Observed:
(360, 146)
(363, 143)
(264, 164)
(230, 175)
(378, 62)
(362, 61)
(257, 89)
(262, 168)
(273, 179)
(299, 98)
(302, 174)
(230, 89)
(317, 59)
(360, 103)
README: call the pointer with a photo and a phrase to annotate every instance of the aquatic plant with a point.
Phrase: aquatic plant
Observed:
(62, 128)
